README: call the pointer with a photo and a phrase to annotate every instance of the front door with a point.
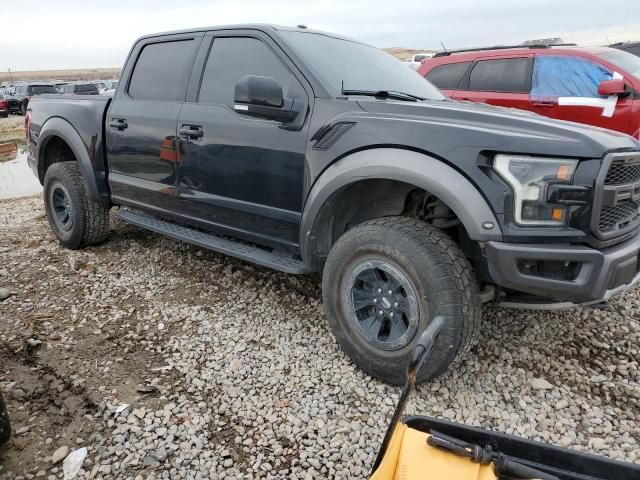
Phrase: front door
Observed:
(566, 87)
(240, 174)
(141, 123)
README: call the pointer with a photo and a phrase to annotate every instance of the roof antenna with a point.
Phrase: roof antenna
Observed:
(443, 47)
(608, 41)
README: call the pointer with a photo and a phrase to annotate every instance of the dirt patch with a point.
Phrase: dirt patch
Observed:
(60, 357)
(12, 128)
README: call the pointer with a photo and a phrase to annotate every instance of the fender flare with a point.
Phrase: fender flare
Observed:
(58, 127)
(408, 166)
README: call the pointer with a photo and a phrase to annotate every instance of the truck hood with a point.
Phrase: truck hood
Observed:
(486, 127)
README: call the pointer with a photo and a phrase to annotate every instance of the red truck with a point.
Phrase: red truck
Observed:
(598, 86)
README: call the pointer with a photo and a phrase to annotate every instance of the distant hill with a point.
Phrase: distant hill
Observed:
(74, 74)
(405, 53)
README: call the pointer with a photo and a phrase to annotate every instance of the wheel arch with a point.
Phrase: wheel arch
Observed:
(342, 184)
(57, 135)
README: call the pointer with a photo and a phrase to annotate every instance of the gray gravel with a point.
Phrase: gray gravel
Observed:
(250, 383)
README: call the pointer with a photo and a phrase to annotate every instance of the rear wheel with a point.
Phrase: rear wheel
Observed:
(23, 109)
(74, 219)
(383, 282)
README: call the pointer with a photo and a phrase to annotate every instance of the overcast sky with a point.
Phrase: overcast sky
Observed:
(82, 34)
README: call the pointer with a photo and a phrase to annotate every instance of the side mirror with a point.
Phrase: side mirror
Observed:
(612, 87)
(261, 97)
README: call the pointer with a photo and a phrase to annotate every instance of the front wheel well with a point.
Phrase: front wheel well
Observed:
(55, 150)
(365, 200)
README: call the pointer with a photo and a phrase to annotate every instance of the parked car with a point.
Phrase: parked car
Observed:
(102, 86)
(80, 89)
(5, 424)
(111, 86)
(312, 152)
(415, 61)
(4, 107)
(23, 92)
(631, 47)
(598, 86)
(60, 86)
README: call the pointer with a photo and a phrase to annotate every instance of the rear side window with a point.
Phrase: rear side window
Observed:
(40, 89)
(501, 75)
(565, 76)
(87, 88)
(231, 59)
(449, 76)
(162, 71)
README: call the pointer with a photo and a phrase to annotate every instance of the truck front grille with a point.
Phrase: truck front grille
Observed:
(615, 218)
(616, 208)
(620, 172)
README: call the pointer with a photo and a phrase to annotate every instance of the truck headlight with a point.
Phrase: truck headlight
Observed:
(529, 178)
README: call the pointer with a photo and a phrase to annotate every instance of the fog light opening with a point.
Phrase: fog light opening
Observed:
(552, 269)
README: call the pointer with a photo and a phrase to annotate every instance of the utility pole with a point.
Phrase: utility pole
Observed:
(10, 76)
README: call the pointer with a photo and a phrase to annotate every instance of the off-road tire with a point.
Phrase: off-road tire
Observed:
(90, 220)
(444, 283)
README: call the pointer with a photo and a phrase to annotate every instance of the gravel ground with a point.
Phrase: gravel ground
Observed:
(165, 361)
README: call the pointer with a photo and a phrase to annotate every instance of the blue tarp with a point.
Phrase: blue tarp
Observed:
(565, 76)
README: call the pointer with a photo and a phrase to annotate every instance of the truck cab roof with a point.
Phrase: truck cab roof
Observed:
(263, 27)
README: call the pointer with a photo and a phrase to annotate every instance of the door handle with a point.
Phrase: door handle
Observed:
(193, 132)
(544, 104)
(118, 123)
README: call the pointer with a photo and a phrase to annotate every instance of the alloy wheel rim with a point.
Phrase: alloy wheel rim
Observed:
(62, 209)
(382, 304)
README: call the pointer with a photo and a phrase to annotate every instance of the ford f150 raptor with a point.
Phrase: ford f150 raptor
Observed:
(305, 152)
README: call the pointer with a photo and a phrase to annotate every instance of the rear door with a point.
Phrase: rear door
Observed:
(141, 122)
(566, 87)
(244, 175)
(504, 81)
(448, 77)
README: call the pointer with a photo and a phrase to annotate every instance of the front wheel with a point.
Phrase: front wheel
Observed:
(23, 109)
(383, 282)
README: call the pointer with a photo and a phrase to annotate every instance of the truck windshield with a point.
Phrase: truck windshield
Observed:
(626, 61)
(348, 65)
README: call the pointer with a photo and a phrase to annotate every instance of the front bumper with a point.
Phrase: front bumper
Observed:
(601, 275)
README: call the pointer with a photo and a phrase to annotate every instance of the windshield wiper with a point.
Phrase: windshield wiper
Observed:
(384, 94)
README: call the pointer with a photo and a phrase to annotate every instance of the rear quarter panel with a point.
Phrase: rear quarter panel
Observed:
(79, 121)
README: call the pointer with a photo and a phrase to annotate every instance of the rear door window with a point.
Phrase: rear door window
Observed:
(232, 58)
(501, 75)
(40, 89)
(448, 77)
(162, 71)
(566, 76)
(87, 88)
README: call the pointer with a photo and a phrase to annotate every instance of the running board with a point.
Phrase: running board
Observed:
(239, 250)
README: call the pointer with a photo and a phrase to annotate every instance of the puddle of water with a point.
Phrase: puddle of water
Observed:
(17, 179)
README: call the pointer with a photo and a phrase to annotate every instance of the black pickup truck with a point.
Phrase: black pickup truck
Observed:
(306, 152)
